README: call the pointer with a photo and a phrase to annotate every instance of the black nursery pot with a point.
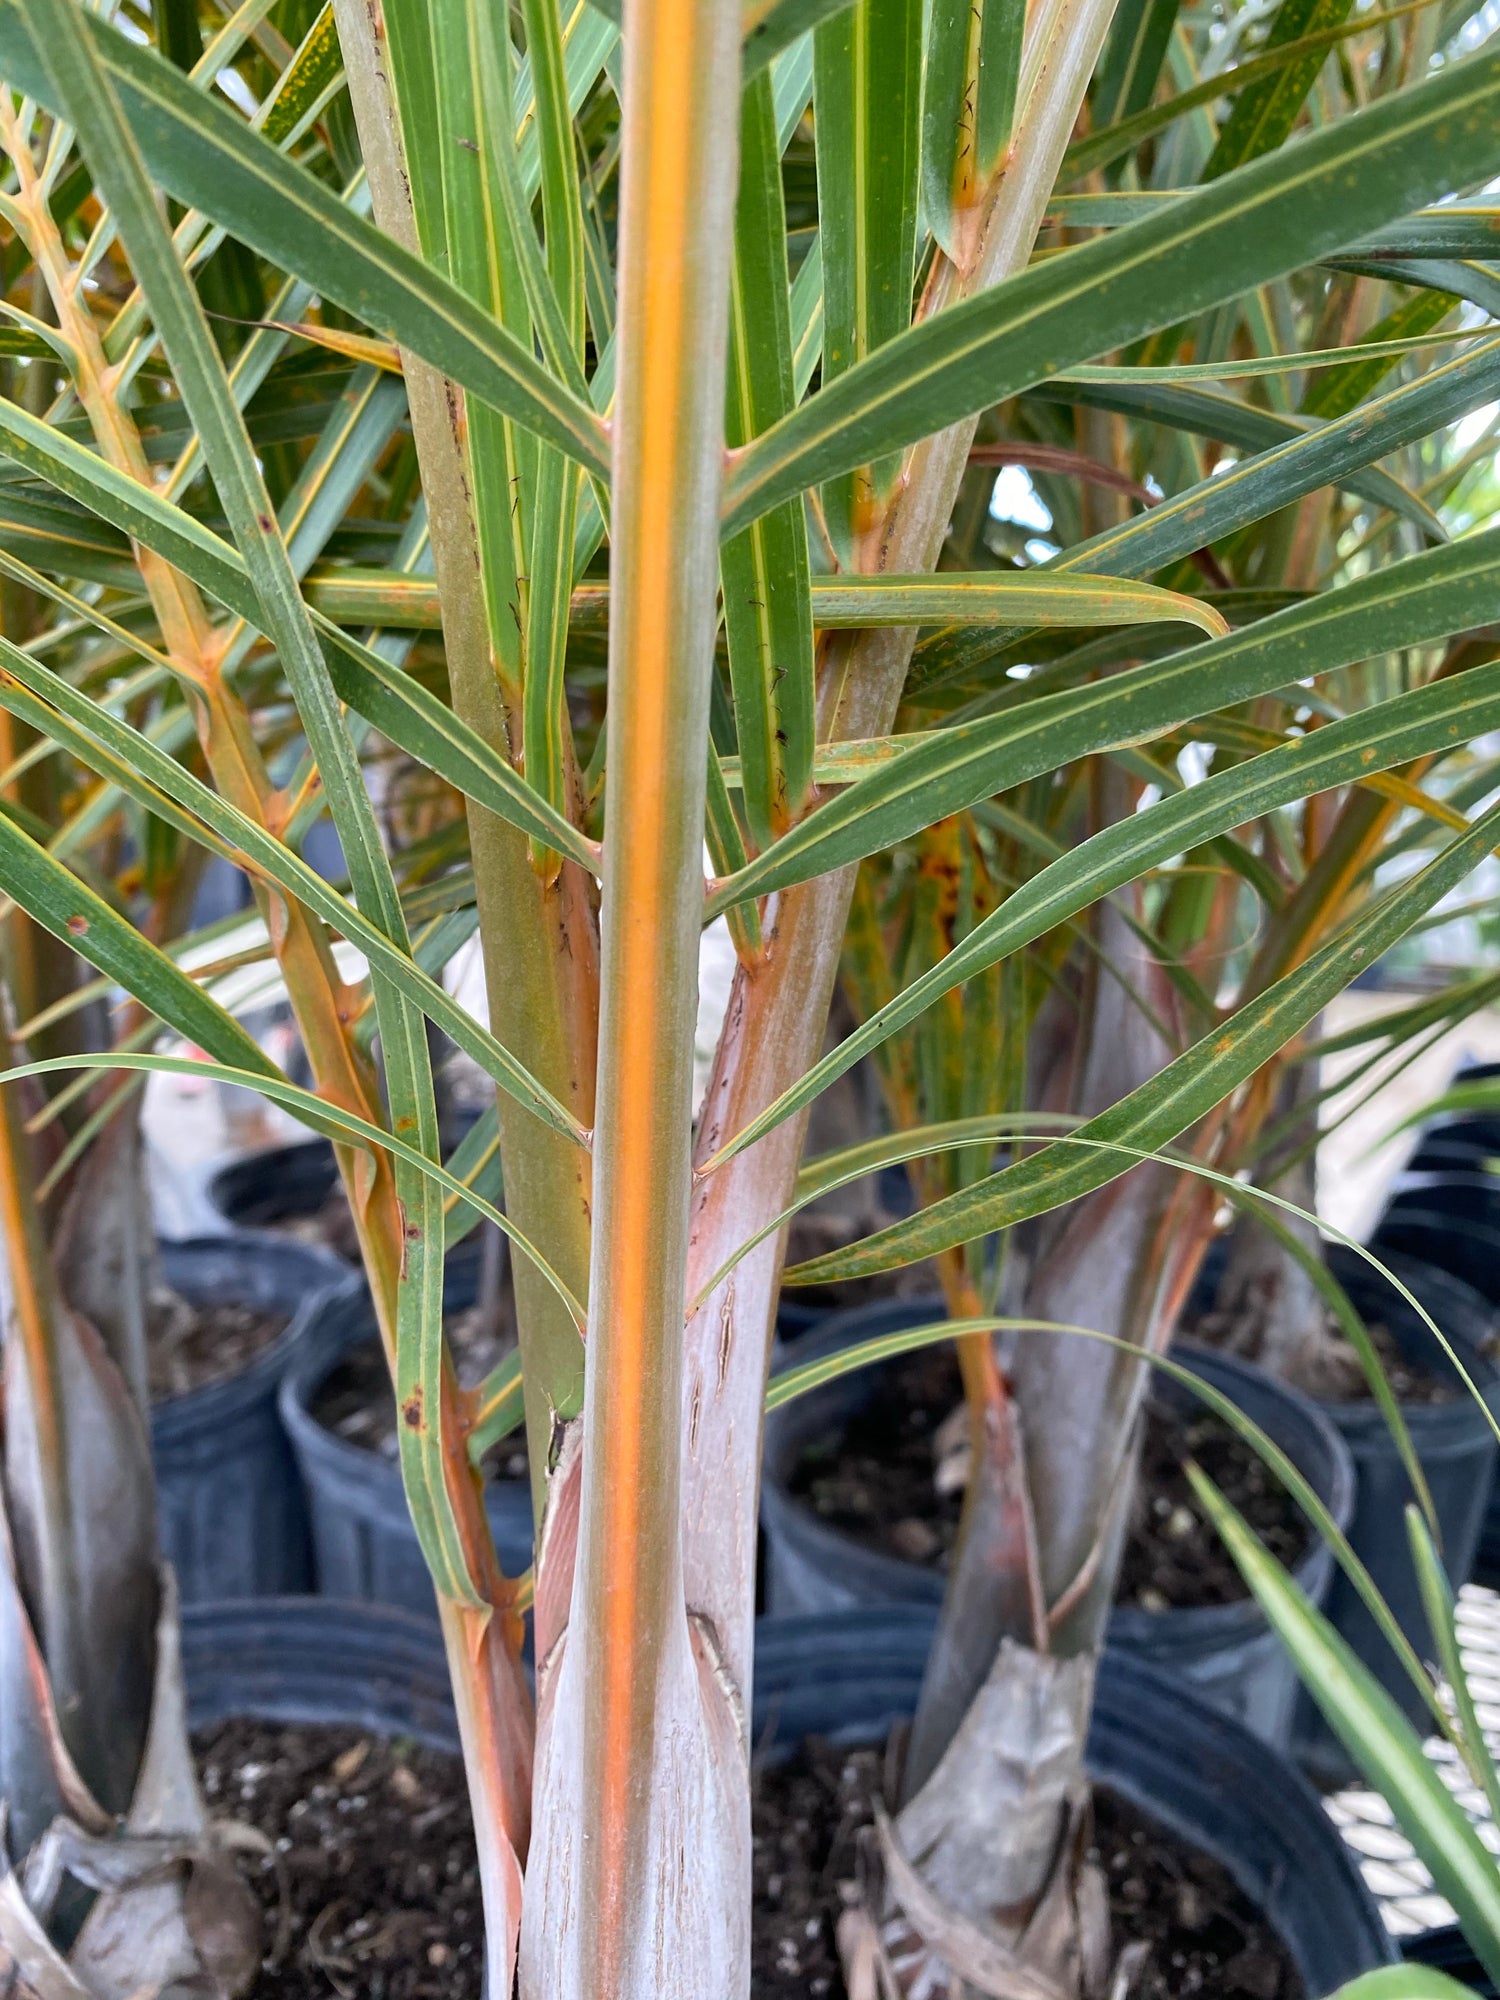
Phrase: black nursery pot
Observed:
(364, 1544)
(312, 1660)
(1450, 1219)
(850, 1678)
(1456, 1449)
(1457, 1146)
(230, 1508)
(1227, 1652)
(1449, 1951)
(1460, 1143)
(275, 1184)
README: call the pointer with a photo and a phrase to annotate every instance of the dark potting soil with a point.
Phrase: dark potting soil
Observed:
(370, 1887)
(361, 1856)
(357, 1403)
(1342, 1380)
(189, 1346)
(1410, 1383)
(330, 1227)
(1204, 1934)
(894, 1479)
(1330, 1369)
(1173, 1558)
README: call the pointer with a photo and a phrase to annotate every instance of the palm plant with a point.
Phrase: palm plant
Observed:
(96, 1778)
(1096, 1007)
(637, 374)
(986, 1063)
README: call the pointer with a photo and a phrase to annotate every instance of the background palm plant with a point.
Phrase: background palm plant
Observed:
(1208, 931)
(94, 1744)
(615, 329)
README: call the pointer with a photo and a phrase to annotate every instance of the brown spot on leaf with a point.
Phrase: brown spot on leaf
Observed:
(79, 926)
(411, 1411)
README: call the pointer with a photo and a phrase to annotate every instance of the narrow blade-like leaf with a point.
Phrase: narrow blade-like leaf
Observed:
(767, 615)
(867, 110)
(200, 152)
(1266, 218)
(1445, 590)
(1157, 1112)
(1388, 734)
(1376, 1735)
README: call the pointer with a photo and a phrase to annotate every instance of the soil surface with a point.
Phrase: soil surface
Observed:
(1412, 1385)
(1205, 1936)
(191, 1346)
(370, 1887)
(360, 1852)
(1329, 1368)
(894, 1479)
(1173, 1558)
(330, 1227)
(356, 1402)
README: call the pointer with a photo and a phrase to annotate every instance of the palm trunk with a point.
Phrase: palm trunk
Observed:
(540, 951)
(994, 1773)
(539, 940)
(639, 1872)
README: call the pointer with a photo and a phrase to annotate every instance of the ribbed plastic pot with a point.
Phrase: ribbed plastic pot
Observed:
(848, 1678)
(232, 1517)
(794, 1319)
(1457, 1452)
(852, 1676)
(1456, 1146)
(315, 1660)
(363, 1540)
(1477, 1072)
(1450, 1219)
(1227, 1652)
